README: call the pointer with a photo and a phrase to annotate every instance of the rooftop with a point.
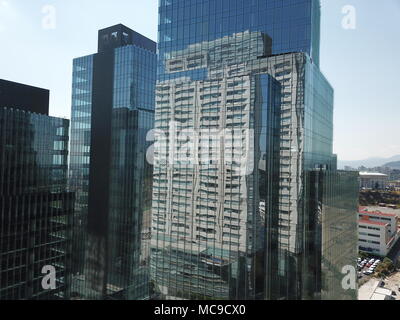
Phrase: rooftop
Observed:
(372, 222)
(373, 174)
(376, 213)
(119, 36)
(372, 291)
(24, 97)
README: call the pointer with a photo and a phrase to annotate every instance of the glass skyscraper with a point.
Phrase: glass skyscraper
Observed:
(112, 112)
(36, 209)
(244, 173)
(293, 25)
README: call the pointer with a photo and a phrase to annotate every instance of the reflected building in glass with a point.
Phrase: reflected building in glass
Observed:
(36, 209)
(112, 112)
(245, 179)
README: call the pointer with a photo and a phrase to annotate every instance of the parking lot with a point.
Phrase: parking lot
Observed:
(367, 276)
(367, 267)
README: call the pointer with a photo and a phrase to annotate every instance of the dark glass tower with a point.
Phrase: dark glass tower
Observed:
(36, 209)
(112, 112)
(20, 96)
(240, 218)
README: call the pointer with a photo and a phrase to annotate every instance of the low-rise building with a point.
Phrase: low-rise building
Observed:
(395, 185)
(373, 180)
(378, 232)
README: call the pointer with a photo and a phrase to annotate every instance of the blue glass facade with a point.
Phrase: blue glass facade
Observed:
(80, 151)
(293, 25)
(220, 233)
(112, 112)
(208, 218)
(36, 210)
(134, 78)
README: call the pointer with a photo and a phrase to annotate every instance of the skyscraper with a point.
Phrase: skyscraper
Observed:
(243, 158)
(112, 112)
(294, 26)
(36, 209)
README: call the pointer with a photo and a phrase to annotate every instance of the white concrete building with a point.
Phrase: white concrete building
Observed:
(395, 185)
(378, 232)
(373, 180)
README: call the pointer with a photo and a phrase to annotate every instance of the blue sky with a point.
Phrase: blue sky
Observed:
(362, 64)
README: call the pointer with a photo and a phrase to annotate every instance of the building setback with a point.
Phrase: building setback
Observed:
(36, 209)
(112, 112)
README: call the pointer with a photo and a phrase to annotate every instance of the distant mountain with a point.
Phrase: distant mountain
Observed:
(369, 163)
(393, 165)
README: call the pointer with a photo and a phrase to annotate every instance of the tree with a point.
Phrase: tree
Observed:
(385, 268)
(363, 255)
